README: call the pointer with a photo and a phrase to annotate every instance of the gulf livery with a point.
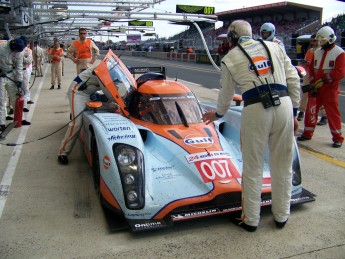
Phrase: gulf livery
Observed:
(154, 161)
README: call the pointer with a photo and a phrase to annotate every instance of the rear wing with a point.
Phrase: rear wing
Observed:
(142, 70)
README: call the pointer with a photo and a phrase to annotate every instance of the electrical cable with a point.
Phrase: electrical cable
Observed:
(41, 138)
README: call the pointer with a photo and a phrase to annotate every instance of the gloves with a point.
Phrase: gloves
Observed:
(98, 97)
(318, 83)
(19, 85)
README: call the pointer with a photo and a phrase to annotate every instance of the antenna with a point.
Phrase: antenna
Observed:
(176, 77)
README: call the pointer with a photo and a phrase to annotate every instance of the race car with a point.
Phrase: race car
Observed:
(155, 162)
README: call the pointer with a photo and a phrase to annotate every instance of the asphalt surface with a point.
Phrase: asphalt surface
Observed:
(51, 211)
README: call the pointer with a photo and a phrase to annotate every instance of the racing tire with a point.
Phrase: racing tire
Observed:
(95, 165)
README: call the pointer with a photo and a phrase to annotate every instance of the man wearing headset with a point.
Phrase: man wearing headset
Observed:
(326, 70)
(270, 88)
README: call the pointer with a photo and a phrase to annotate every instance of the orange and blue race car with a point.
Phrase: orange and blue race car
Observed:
(155, 162)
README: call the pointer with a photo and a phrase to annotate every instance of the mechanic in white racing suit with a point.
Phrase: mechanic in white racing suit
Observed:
(82, 89)
(270, 88)
(27, 69)
(11, 75)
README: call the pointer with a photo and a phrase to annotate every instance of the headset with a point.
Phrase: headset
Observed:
(233, 37)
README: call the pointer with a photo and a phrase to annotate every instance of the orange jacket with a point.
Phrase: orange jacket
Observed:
(54, 53)
(83, 49)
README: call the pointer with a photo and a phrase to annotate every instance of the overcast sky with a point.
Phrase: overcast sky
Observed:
(164, 29)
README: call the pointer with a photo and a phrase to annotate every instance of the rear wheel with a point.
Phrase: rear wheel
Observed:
(95, 165)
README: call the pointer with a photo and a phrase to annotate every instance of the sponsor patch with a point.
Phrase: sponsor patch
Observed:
(214, 166)
(194, 214)
(198, 141)
(106, 162)
(262, 64)
(141, 225)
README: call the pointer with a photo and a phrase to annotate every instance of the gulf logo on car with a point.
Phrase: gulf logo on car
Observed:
(106, 162)
(262, 64)
(198, 141)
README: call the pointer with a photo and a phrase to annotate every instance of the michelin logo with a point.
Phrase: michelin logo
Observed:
(195, 214)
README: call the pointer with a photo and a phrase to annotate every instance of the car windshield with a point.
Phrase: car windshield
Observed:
(123, 84)
(169, 109)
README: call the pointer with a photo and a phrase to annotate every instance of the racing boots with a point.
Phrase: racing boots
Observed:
(280, 224)
(63, 159)
(300, 116)
(240, 223)
(303, 138)
(323, 121)
(337, 144)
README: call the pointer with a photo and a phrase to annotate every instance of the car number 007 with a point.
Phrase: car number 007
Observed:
(217, 169)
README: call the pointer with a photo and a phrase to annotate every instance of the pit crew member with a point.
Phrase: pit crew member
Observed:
(11, 75)
(326, 71)
(261, 70)
(83, 88)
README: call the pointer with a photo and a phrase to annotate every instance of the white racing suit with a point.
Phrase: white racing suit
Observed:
(77, 100)
(261, 127)
(38, 54)
(11, 65)
(27, 68)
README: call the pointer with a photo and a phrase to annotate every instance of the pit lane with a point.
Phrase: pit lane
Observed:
(52, 211)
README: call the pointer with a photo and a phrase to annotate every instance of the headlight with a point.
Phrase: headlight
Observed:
(130, 162)
(132, 196)
(129, 179)
(126, 156)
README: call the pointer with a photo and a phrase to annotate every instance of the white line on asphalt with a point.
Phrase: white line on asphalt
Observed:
(12, 164)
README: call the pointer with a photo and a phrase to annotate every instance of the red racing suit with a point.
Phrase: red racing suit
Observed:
(328, 65)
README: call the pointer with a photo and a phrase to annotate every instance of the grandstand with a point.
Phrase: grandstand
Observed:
(291, 20)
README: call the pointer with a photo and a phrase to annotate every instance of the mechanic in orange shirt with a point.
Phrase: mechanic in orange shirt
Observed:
(83, 52)
(56, 54)
(326, 71)
(304, 98)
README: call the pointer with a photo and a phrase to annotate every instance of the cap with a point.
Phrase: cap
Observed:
(24, 38)
(17, 45)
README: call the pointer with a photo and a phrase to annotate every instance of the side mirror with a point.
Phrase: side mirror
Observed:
(93, 105)
(237, 99)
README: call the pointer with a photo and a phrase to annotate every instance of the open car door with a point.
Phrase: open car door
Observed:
(115, 76)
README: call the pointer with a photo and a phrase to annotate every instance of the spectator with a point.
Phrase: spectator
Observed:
(83, 52)
(325, 77)
(299, 50)
(264, 122)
